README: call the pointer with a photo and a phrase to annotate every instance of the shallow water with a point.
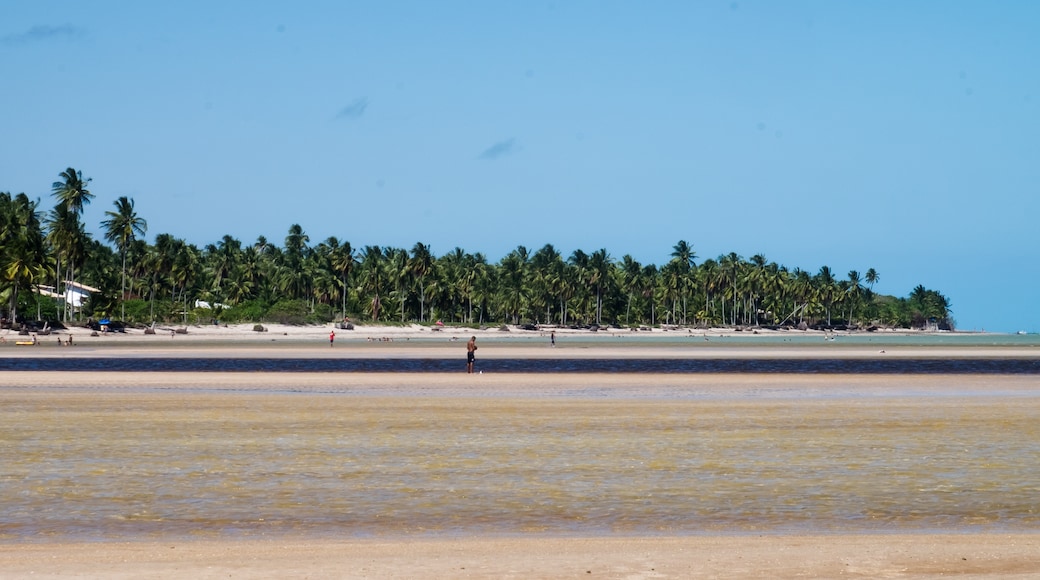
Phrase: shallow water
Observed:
(903, 366)
(108, 465)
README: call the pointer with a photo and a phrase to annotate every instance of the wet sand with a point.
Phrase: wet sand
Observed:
(915, 555)
(773, 557)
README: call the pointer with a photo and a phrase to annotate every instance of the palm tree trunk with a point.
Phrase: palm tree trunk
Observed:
(122, 291)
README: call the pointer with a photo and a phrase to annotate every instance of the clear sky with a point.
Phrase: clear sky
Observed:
(900, 136)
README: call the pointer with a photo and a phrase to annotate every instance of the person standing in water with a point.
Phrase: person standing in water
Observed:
(332, 337)
(471, 353)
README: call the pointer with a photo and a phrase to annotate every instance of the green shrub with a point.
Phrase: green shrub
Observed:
(251, 311)
(322, 313)
(137, 311)
(289, 312)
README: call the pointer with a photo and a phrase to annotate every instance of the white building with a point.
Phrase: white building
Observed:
(75, 293)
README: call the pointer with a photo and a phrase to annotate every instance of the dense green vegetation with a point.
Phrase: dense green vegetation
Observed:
(141, 282)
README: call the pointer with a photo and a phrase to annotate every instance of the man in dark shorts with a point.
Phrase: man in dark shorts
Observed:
(471, 350)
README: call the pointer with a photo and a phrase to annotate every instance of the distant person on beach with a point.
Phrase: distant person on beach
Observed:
(471, 353)
(332, 338)
(552, 338)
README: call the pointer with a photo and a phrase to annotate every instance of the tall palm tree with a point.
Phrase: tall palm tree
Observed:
(420, 264)
(630, 271)
(754, 282)
(684, 257)
(23, 256)
(396, 260)
(72, 190)
(72, 193)
(514, 282)
(372, 277)
(672, 287)
(600, 264)
(708, 275)
(853, 292)
(484, 278)
(547, 280)
(826, 286)
(222, 259)
(121, 228)
(871, 278)
(730, 267)
(648, 281)
(341, 260)
(292, 277)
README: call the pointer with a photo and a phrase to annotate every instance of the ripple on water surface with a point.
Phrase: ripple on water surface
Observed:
(112, 466)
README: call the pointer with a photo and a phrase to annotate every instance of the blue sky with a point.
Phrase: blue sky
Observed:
(900, 136)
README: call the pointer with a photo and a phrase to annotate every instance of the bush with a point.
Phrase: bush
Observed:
(251, 311)
(137, 311)
(30, 304)
(289, 312)
(322, 313)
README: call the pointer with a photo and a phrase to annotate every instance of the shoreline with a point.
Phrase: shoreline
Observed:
(245, 331)
(284, 341)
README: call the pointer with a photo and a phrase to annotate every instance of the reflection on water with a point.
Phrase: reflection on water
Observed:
(184, 464)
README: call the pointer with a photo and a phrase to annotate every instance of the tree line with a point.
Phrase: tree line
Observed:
(301, 282)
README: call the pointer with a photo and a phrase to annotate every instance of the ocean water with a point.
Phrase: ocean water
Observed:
(118, 465)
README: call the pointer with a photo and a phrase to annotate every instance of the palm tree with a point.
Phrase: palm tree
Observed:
(683, 256)
(72, 193)
(222, 259)
(513, 284)
(420, 264)
(23, 256)
(72, 190)
(341, 260)
(871, 278)
(396, 260)
(184, 271)
(710, 279)
(826, 286)
(600, 264)
(547, 280)
(729, 275)
(630, 271)
(754, 280)
(853, 292)
(647, 284)
(671, 286)
(121, 228)
(292, 279)
(372, 277)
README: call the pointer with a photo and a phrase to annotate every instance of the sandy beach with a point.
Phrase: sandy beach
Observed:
(774, 557)
(417, 341)
(997, 399)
